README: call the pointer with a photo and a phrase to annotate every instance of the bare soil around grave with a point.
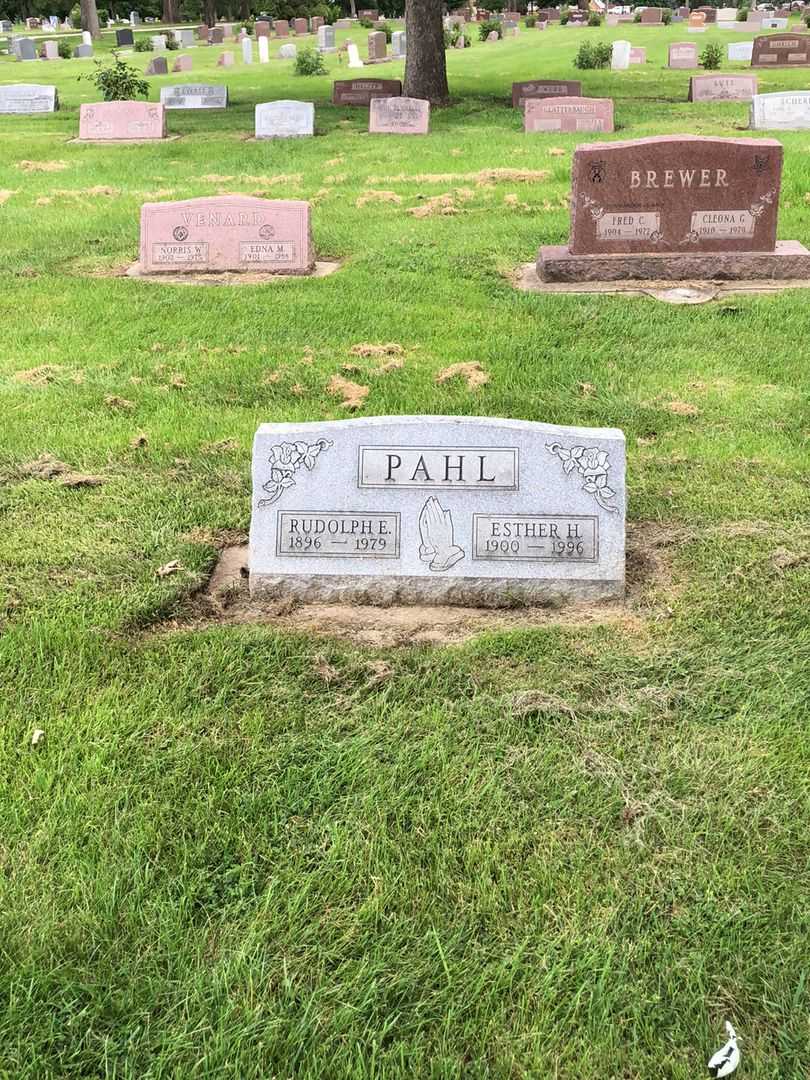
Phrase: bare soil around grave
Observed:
(225, 600)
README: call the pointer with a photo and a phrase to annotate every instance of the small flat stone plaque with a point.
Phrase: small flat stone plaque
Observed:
(437, 509)
(226, 233)
(285, 119)
(194, 96)
(28, 98)
(786, 111)
(399, 116)
(122, 120)
(361, 91)
(568, 114)
(544, 88)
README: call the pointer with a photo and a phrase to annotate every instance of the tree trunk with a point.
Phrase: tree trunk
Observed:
(425, 61)
(170, 11)
(90, 19)
(210, 12)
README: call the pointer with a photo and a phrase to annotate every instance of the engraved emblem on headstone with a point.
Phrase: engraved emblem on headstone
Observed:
(437, 548)
(598, 172)
(285, 460)
(592, 465)
(180, 233)
(266, 232)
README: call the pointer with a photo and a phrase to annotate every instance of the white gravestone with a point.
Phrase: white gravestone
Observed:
(87, 38)
(194, 96)
(785, 111)
(264, 50)
(285, 119)
(288, 52)
(620, 58)
(398, 44)
(28, 98)
(326, 39)
(159, 43)
(741, 50)
(354, 56)
(437, 509)
(247, 50)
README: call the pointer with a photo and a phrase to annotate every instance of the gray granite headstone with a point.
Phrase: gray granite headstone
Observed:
(398, 44)
(83, 52)
(326, 39)
(285, 119)
(785, 111)
(158, 65)
(437, 509)
(194, 96)
(28, 98)
(25, 49)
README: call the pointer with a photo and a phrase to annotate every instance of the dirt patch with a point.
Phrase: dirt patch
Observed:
(42, 166)
(472, 371)
(226, 601)
(377, 197)
(352, 394)
(40, 376)
(47, 467)
(5, 194)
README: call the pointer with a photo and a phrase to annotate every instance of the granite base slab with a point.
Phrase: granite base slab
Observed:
(790, 260)
(322, 268)
(123, 142)
(467, 592)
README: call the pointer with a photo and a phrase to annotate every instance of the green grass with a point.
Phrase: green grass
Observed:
(221, 864)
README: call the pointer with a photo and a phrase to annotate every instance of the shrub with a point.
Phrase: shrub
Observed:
(64, 48)
(593, 56)
(387, 30)
(594, 19)
(452, 35)
(75, 16)
(666, 16)
(712, 56)
(309, 62)
(172, 44)
(564, 19)
(367, 24)
(807, 20)
(531, 22)
(487, 26)
(117, 81)
(142, 44)
(742, 14)
(637, 17)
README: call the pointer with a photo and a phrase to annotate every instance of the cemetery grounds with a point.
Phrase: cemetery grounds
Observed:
(564, 845)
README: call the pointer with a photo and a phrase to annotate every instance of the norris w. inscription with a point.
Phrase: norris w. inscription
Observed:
(437, 509)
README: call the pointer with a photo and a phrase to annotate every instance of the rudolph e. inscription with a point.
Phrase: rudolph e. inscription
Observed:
(436, 509)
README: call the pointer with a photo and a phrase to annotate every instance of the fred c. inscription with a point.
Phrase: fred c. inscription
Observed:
(437, 509)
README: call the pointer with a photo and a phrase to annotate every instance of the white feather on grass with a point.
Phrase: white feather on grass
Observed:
(726, 1060)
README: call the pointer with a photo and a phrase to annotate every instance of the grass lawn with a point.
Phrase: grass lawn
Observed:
(567, 850)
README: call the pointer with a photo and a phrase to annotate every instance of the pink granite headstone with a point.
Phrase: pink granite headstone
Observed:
(300, 26)
(226, 59)
(652, 15)
(399, 116)
(683, 54)
(122, 120)
(722, 87)
(567, 114)
(182, 63)
(262, 28)
(282, 28)
(638, 56)
(377, 45)
(226, 233)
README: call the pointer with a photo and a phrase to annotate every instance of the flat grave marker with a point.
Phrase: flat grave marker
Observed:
(194, 96)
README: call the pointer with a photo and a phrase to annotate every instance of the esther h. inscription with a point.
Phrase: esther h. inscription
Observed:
(361, 91)
(28, 98)
(544, 88)
(781, 50)
(438, 509)
(226, 233)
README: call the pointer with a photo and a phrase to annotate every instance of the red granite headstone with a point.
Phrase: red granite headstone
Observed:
(781, 50)
(675, 193)
(226, 233)
(543, 88)
(652, 15)
(262, 28)
(567, 114)
(361, 91)
(282, 28)
(300, 26)
(722, 87)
